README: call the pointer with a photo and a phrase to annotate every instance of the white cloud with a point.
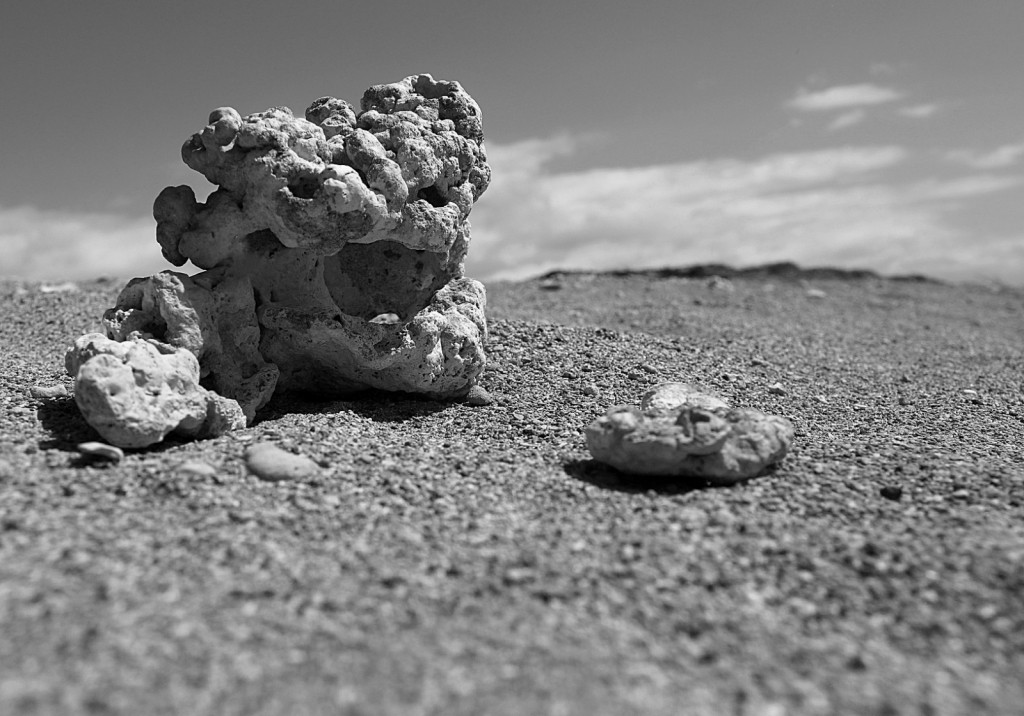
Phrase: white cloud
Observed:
(843, 96)
(828, 207)
(1005, 156)
(52, 245)
(847, 119)
(918, 111)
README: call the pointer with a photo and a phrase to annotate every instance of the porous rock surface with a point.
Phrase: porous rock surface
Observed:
(136, 392)
(333, 252)
(681, 430)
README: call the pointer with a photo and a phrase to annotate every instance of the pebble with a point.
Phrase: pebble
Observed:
(269, 462)
(815, 293)
(478, 396)
(386, 319)
(776, 389)
(647, 367)
(550, 284)
(48, 391)
(101, 451)
(65, 287)
(591, 390)
(717, 283)
(196, 468)
(891, 492)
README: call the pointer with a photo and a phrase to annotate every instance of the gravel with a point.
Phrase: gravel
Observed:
(450, 558)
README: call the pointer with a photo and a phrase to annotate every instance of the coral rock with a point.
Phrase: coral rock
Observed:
(698, 438)
(136, 392)
(332, 250)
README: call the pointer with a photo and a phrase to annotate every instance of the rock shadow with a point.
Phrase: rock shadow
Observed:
(381, 406)
(62, 419)
(606, 477)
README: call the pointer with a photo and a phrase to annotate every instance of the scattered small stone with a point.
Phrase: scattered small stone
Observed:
(196, 468)
(550, 284)
(386, 319)
(815, 293)
(904, 400)
(717, 283)
(892, 492)
(65, 287)
(776, 389)
(570, 373)
(969, 391)
(758, 361)
(269, 462)
(101, 451)
(591, 390)
(48, 391)
(647, 367)
(478, 396)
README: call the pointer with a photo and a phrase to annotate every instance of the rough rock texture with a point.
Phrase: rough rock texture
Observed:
(137, 391)
(333, 249)
(683, 432)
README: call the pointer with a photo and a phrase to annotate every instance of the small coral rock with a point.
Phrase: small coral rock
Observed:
(721, 446)
(136, 392)
(269, 462)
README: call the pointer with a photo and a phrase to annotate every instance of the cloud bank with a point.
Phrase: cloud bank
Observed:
(826, 207)
(843, 97)
(58, 246)
(833, 207)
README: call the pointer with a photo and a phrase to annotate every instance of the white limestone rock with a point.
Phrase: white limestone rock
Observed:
(136, 392)
(699, 438)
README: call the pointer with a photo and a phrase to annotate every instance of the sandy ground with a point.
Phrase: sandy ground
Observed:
(473, 560)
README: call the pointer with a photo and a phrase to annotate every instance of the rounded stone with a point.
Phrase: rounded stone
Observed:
(269, 462)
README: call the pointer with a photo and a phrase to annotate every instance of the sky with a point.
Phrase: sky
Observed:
(879, 134)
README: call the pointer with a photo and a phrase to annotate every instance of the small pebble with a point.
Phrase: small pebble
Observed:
(648, 368)
(591, 390)
(550, 284)
(776, 389)
(48, 391)
(65, 287)
(891, 492)
(101, 451)
(196, 468)
(815, 293)
(269, 462)
(387, 319)
(478, 396)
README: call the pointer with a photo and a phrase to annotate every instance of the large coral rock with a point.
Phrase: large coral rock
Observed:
(332, 249)
(681, 431)
(135, 392)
